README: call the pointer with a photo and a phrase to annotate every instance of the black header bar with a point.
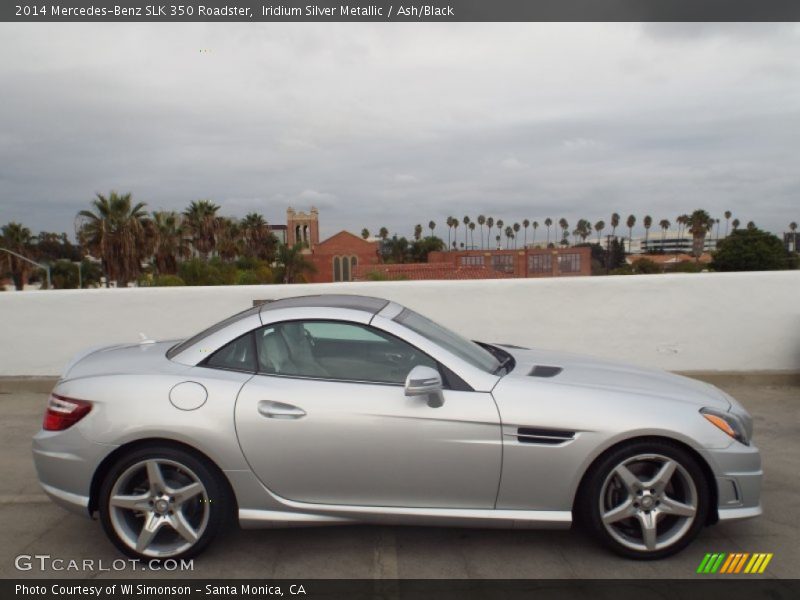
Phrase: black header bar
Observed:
(395, 10)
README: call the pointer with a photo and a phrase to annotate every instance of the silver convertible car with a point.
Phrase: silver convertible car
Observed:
(342, 409)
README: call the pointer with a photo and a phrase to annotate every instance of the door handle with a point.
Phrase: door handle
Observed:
(279, 410)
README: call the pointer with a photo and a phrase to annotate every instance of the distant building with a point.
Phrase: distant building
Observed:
(670, 259)
(338, 257)
(302, 227)
(790, 240)
(527, 262)
(424, 271)
(667, 242)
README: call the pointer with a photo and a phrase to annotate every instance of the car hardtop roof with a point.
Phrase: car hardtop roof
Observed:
(365, 303)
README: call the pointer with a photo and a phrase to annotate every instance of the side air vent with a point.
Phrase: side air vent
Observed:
(543, 371)
(551, 437)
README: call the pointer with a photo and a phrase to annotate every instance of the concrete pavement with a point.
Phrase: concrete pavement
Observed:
(32, 525)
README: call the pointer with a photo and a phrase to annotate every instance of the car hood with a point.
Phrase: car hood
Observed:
(583, 371)
(147, 356)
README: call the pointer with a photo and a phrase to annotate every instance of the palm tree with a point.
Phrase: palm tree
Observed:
(472, 234)
(564, 225)
(614, 224)
(735, 224)
(699, 224)
(203, 225)
(497, 239)
(728, 215)
(793, 226)
(230, 242)
(417, 231)
(648, 223)
(365, 234)
(516, 228)
(293, 265)
(630, 223)
(489, 225)
(116, 232)
(751, 225)
(257, 239)
(18, 239)
(535, 226)
(449, 226)
(169, 242)
(383, 233)
(509, 234)
(481, 222)
(525, 223)
(548, 222)
(598, 227)
(455, 232)
(664, 224)
(431, 226)
(466, 226)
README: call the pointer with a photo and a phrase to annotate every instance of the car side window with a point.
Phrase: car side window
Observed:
(336, 350)
(238, 355)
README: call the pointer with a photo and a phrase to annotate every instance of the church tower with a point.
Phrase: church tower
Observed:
(302, 227)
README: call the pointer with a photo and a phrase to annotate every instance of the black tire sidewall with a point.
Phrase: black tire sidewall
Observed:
(206, 473)
(589, 502)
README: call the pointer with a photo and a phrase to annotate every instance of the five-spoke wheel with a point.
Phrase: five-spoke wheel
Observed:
(160, 503)
(647, 500)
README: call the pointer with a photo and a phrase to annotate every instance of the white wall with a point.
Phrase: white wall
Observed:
(692, 322)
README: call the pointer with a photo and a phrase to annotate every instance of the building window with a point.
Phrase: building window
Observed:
(344, 267)
(337, 268)
(471, 261)
(540, 263)
(503, 263)
(569, 263)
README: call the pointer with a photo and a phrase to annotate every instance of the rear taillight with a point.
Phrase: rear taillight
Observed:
(62, 413)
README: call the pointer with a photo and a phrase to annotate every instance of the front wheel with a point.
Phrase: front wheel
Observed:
(646, 500)
(162, 502)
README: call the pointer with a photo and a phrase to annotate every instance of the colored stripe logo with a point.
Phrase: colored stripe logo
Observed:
(734, 563)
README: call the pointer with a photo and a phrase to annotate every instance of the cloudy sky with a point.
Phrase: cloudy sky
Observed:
(395, 124)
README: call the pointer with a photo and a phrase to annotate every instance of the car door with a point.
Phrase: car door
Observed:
(326, 420)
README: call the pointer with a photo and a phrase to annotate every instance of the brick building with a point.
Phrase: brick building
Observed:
(528, 262)
(419, 271)
(338, 257)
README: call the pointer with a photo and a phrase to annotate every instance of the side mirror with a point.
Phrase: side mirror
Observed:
(424, 381)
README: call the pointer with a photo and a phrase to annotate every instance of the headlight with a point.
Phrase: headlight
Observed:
(728, 423)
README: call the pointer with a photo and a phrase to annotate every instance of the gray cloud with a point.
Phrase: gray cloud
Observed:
(390, 124)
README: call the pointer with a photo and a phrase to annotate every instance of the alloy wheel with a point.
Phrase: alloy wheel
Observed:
(648, 502)
(159, 507)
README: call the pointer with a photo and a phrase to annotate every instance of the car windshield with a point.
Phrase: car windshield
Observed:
(449, 340)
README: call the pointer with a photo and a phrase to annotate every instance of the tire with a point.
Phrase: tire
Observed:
(645, 500)
(179, 496)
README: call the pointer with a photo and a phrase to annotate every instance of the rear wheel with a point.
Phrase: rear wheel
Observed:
(646, 500)
(162, 502)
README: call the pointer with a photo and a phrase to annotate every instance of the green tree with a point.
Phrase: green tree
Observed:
(431, 226)
(516, 227)
(630, 224)
(203, 225)
(418, 231)
(752, 250)
(489, 225)
(257, 239)
(18, 239)
(648, 223)
(365, 233)
(169, 242)
(293, 265)
(534, 226)
(116, 232)
(481, 222)
(728, 215)
(700, 224)
(598, 227)
(548, 222)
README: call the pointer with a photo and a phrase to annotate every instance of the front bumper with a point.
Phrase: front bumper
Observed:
(738, 473)
(65, 464)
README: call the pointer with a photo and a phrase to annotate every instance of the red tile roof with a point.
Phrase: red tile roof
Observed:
(417, 271)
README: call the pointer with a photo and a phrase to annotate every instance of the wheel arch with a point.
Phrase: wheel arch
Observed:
(106, 464)
(713, 515)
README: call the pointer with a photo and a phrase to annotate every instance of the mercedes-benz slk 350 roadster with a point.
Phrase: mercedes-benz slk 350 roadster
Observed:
(341, 409)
